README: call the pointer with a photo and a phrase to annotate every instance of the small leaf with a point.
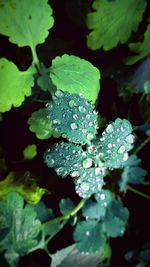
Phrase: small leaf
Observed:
(15, 84)
(89, 236)
(73, 117)
(60, 255)
(142, 49)
(115, 219)
(26, 23)
(66, 205)
(30, 152)
(112, 22)
(22, 183)
(75, 76)
(41, 125)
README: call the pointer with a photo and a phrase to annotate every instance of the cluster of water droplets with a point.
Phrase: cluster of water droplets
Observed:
(73, 116)
(112, 147)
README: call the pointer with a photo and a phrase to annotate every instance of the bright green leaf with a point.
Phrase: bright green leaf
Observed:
(41, 125)
(26, 23)
(112, 22)
(22, 183)
(23, 225)
(76, 76)
(15, 84)
(30, 152)
(142, 49)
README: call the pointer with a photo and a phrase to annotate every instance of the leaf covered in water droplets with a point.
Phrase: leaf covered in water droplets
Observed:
(73, 117)
(114, 144)
(65, 158)
(89, 236)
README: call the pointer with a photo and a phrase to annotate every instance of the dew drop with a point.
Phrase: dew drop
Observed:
(102, 196)
(125, 157)
(87, 163)
(87, 233)
(56, 122)
(82, 109)
(90, 136)
(72, 103)
(90, 123)
(75, 116)
(59, 94)
(73, 126)
(121, 149)
(85, 186)
(87, 116)
(130, 138)
(74, 174)
(109, 145)
(109, 128)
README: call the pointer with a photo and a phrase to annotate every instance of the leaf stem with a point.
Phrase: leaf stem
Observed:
(140, 147)
(35, 57)
(137, 192)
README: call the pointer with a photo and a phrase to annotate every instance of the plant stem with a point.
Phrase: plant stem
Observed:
(35, 57)
(140, 147)
(70, 213)
(137, 192)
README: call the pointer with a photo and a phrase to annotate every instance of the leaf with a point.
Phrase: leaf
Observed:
(30, 152)
(60, 255)
(65, 158)
(132, 173)
(26, 23)
(23, 226)
(73, 117)
(114, 144)
(144, 128)
(89, 236)
(75, 76)
(15, 84)
(43, 213)
(41, 125)
(65, 205)
(22, 183)
(142, 49)
(115, 219)
(112, 22)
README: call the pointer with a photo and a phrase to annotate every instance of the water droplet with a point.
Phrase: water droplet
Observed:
(102, 196)
(130, 138)
(109, 128)
(87, 163)
(109, 151)
(87, 233)
(90, 136)
(59, 94)
(109, 145)
(87, 116)
(75, 116)
(56, 122)
(72, 103)
(73, 126)
(121, 149)
(82, 109)
(125, 157)
(97, 171)
(122, 128)
(90, 123)
(60, 170)
(118, 140)
(84, 131)
(85, 186)
(74, 174)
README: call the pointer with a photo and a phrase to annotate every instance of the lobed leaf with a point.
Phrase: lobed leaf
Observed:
(15, 84)
(76, 76)
(112, 22)
(26, 23)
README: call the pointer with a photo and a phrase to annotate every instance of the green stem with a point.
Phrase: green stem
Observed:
(35, 57)
(137, 192)
(140, 147)
(70, 213)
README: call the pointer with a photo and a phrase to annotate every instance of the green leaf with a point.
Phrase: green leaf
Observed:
(30, 152)
(112, 22)
(114, 144)
(26, 23)
(115, 219)
(142, 49)
(66, 205)
(15, 84)
(89, 236)
(132, 173)
(60, 255)
(76, 76)
(22, 183)
(41, 125)
(23, 226)
(73, 117)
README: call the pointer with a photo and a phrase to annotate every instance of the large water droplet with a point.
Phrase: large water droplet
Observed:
(74, 174)
(59, 94)
(109, 145)
(109, 128)
(130, 138)
(125, 157)
(90, 136)
(82, 109)
(87, 163)
(121, 149)
(73, 126)
(85, 186)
